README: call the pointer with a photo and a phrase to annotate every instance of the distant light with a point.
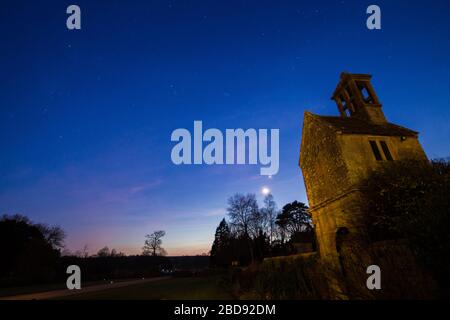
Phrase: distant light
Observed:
(265, 191)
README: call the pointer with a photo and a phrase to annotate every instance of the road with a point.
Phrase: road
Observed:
(66, 292)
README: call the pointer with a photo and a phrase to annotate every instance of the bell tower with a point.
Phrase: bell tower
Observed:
(337, 155)
(356, 98)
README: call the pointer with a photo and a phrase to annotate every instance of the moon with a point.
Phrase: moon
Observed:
(265, 191)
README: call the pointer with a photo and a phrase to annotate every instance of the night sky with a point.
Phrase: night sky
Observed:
(86, 116)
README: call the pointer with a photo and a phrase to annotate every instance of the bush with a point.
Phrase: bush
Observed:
(291, 277)
(410, 199)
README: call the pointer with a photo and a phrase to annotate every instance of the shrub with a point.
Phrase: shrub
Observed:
(292, 277)
(410, 200)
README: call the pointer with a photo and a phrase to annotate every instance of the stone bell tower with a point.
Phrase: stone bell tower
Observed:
(355, 97)
(338, 152)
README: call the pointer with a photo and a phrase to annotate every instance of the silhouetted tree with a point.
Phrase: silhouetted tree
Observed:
(53, 235)
(85, 251)
(244, 214)
(153, 244)
(28, 250)
(221, 248)
(103, 252)
(115, 253)
(270, 212)
(294, 218)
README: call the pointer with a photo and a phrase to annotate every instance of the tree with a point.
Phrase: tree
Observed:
(242, 210)
(294, 218)
(221, 248)
(85, 251)
(270, 212)
(410, 200)
(29, 253)
(153, 244)
(115, 253)
(103, 252)
(244, 217)
(53, 235)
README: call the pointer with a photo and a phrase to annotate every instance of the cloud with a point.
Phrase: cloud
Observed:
(216, 212)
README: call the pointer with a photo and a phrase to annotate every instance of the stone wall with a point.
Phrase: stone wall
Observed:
(402, 277)
(322, 162)
(293, 277)
(308, 276)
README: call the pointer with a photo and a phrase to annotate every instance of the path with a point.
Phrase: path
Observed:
(65, 292)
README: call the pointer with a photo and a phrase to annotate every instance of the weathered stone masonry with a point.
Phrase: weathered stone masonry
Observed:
(338, 152)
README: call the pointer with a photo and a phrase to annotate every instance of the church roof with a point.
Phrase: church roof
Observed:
(358, 126)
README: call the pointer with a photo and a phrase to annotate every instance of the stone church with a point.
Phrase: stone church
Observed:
(338, 152)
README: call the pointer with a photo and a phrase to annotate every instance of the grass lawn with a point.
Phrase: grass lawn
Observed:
(168, 289)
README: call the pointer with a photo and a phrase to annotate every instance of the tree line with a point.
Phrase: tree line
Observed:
(252, 233)
(35, 253)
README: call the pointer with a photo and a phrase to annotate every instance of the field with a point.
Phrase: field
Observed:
(192, 288)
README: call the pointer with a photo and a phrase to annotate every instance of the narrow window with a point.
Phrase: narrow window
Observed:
(344, 102)
(365, 94)
(375, 150)
(367, 97)
(386, 151)
(345, 106)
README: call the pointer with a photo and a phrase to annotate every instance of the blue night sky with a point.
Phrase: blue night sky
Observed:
(86, 116)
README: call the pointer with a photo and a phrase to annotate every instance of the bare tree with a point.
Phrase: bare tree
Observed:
(270, 213)
(242, 210)
(85, 251)
(153, 244)
(244, 217)
(54, 235)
